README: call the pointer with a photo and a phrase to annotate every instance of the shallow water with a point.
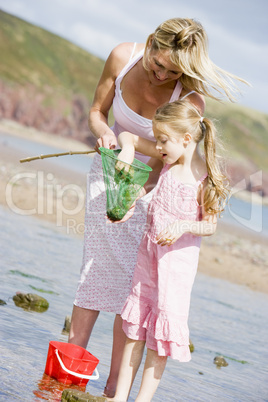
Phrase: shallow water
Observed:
(247, 216)
(26, 148)
(225, 319)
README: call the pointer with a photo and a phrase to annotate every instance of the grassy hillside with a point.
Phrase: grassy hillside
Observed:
(31, 55)
(243, 130)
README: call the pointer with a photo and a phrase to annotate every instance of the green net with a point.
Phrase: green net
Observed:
(122, 186)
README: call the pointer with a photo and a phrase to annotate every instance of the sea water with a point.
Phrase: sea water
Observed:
(225, 319)
(38, 257)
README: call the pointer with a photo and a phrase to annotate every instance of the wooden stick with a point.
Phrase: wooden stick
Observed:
(32, 158)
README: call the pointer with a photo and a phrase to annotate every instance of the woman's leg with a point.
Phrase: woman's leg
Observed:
(153, 369)
(131, 360)
(119, 340)
(82, 323)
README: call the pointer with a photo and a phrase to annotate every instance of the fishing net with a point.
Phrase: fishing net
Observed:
(122, 186)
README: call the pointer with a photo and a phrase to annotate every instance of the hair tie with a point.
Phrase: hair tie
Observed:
(203, 127)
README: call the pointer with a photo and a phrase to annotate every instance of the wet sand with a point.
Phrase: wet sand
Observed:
(57, 195)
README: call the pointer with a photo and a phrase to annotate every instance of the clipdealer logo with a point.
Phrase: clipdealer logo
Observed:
(255, 218)
(50, 196)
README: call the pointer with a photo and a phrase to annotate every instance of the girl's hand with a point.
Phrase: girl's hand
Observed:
(106, 141)
(171, 234)
(126, 157)
(131, 210)
(128, 215)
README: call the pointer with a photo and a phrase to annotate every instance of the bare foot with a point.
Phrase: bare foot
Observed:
(108, 392)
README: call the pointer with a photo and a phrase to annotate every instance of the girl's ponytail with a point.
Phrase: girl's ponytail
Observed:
(216, 191)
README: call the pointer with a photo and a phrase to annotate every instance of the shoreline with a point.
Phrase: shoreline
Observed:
(233, 254)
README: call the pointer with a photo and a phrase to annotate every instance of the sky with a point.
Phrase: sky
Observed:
(237, 30)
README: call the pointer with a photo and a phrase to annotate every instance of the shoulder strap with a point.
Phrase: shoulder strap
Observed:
(199, 188)
(189, 93)
(201, 179)
(177, 91)
(164, 168)
(133, 51)
(132, 61)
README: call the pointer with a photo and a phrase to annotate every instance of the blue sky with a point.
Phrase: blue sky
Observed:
(237, 30)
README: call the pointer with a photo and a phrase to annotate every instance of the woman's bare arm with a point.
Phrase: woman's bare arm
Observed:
(104, 94)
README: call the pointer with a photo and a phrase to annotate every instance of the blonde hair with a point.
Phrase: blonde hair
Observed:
(187, 42)
(183, 117)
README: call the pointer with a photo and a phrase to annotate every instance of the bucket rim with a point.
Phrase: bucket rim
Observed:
(136, 163)
(94, 358)
(76, 374)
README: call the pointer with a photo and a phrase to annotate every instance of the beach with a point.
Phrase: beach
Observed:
(50, 192)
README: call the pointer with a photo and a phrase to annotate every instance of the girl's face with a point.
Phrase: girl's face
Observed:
(170, 147)
(161, 69)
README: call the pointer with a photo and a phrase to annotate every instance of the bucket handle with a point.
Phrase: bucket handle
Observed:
(89, 377)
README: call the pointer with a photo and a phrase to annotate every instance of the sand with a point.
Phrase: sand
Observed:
(45, 191)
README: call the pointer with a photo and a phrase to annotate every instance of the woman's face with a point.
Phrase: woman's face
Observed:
(161, 69)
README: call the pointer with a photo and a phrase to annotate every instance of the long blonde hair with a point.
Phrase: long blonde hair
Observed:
(183, 117)
(187, 42)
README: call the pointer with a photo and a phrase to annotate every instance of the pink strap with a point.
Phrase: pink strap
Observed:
(201, 179)
(165, 168)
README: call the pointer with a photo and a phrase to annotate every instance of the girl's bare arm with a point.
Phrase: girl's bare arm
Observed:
(205, 227)
(130, 143)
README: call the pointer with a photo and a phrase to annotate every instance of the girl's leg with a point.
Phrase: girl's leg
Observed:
(153, 369)
(119, 339)
(132, 356)
(82, 323)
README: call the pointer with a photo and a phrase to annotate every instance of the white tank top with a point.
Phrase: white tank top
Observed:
(128, 120)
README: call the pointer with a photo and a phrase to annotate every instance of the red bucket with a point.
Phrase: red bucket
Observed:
(70, 364)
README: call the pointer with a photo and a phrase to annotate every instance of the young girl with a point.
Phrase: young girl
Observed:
(190, 193)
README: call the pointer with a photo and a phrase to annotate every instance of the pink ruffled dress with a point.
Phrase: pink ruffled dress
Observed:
(157, 308)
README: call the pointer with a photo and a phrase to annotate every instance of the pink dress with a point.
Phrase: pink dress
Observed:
(157, 308)
(110, 250)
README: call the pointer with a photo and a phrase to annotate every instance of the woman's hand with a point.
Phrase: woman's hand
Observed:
(172, 233)
(106, 141)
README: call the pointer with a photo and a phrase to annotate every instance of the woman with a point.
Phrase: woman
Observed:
(136, 80)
